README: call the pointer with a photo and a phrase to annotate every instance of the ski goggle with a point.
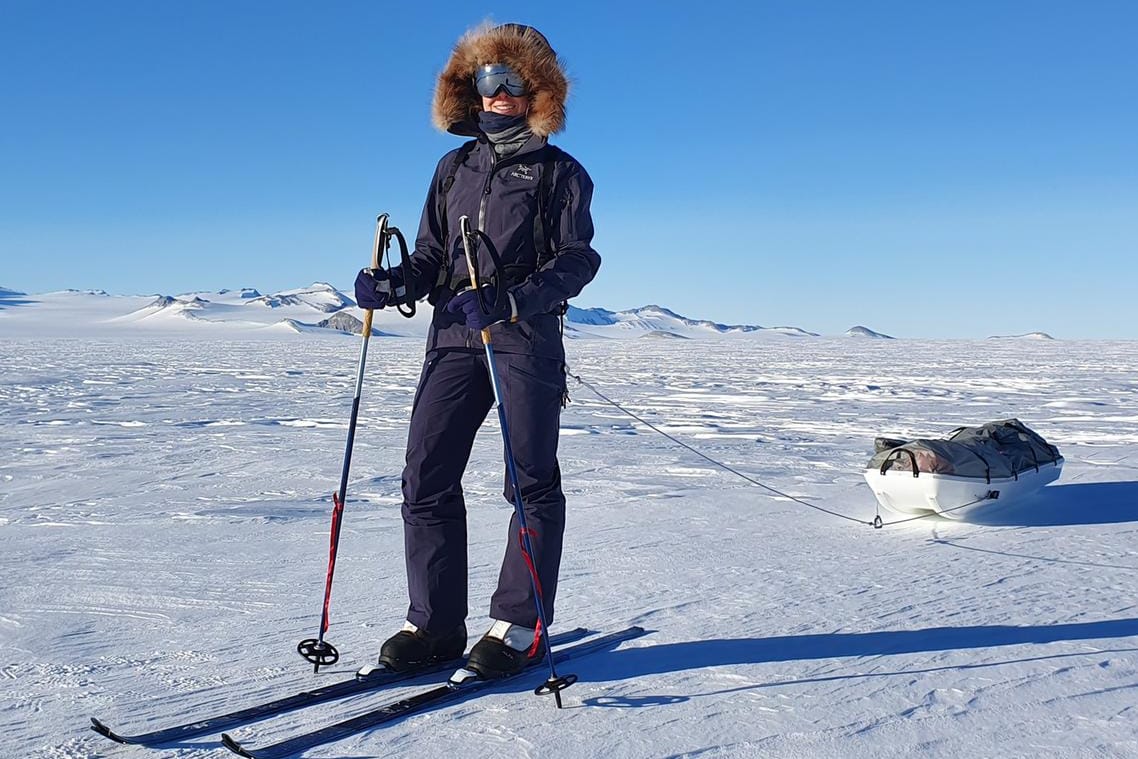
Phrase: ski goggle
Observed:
(494, 77)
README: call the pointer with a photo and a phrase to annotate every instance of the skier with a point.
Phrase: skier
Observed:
(504, 87)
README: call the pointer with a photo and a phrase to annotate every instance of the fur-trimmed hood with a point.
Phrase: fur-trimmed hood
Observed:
(522, 48)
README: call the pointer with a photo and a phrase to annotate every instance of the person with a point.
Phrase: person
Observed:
(505, 87)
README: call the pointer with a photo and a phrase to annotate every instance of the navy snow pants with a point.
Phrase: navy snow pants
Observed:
(452, 400)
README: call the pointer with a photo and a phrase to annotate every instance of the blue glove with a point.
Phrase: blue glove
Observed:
(466, 305)
(373, 289)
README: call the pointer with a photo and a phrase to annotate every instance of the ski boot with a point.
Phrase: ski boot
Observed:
(411, 647)
(503, 651)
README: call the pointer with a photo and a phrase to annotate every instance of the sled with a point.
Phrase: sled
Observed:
(973, 467)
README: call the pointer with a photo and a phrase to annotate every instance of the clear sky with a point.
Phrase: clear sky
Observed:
(946, 169)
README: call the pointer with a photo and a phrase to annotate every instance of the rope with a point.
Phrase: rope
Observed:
(876, 522)
(942, 511)
(709, 459)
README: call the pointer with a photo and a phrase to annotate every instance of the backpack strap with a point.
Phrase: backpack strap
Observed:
(542, 220)
(444, 190)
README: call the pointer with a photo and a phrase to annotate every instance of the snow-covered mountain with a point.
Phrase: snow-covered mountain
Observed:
(12, 298)
(657, 319)
(860, 331)
(320, 296)
(1028, 336)
(318, 308)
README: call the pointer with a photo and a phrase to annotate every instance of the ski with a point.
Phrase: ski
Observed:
(331, 692)
(420, 702)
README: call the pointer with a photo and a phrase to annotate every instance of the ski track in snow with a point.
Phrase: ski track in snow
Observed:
(163, 532)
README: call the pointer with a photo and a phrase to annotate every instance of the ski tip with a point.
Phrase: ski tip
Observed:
(105, 731)
(231, 744)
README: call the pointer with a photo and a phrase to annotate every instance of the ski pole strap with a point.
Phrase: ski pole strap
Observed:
(497, 279)
(404, 305)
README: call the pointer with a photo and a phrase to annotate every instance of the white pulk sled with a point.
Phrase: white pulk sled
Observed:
(973, 466)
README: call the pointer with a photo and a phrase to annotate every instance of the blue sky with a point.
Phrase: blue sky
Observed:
(925, 169)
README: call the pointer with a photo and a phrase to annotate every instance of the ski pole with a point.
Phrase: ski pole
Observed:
(317, 650)
(556, 683)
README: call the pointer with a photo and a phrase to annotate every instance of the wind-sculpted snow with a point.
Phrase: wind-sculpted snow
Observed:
(164, 511)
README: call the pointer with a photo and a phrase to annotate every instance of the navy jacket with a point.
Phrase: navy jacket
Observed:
(501, 198)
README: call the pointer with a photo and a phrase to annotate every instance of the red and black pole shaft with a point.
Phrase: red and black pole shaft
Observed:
(317, 650)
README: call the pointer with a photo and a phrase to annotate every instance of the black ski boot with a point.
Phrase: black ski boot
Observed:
(411, 647)
(503, 651)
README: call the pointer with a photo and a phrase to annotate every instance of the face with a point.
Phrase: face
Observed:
(507, 105)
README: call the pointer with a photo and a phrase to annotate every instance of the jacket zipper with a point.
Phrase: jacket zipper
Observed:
(486, 190)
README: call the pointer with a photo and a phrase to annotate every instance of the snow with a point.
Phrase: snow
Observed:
(165, 494)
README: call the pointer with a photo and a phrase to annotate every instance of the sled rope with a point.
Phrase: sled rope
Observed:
(710, 460)
(942, 511)
(876, 522)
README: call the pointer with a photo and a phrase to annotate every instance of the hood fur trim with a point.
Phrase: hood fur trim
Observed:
(457, 103)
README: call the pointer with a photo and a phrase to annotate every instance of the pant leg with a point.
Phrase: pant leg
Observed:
(532, 390)
(451, 402)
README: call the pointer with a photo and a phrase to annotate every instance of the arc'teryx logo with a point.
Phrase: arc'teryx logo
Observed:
(522, 171)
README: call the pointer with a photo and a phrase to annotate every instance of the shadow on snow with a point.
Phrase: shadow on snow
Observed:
(1063, 505)
(676, 657)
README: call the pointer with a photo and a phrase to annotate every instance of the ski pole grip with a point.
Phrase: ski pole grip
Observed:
(471, 269)
(380, 237)
(376, 256)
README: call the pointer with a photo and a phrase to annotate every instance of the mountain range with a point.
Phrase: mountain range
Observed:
(319, 308)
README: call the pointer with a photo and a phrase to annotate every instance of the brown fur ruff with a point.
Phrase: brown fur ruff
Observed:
(457, 103)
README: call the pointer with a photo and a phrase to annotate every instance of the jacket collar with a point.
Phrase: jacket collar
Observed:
(534, 144)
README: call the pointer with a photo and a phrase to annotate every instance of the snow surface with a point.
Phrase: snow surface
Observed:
(164, 505)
